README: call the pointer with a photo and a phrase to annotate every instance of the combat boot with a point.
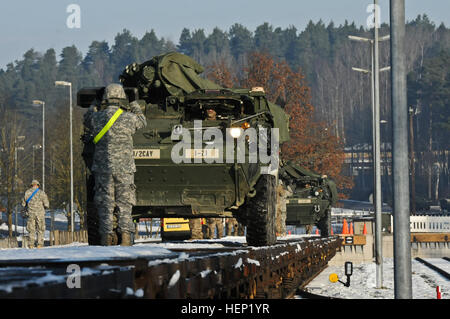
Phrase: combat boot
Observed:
(126, 239)
(106, 240)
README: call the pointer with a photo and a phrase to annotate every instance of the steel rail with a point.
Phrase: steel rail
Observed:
(435, 268)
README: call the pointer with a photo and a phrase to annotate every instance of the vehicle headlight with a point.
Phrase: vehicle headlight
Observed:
(235, 132)
(316, 193)
(245, 125)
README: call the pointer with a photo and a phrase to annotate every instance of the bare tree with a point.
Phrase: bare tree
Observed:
(10, 129)
(58, 180)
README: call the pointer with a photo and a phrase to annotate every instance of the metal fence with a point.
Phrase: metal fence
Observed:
(430, 224)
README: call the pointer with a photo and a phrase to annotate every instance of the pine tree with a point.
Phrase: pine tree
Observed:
(149, 46)
(124, 52)
(185, 42)
(241, 40)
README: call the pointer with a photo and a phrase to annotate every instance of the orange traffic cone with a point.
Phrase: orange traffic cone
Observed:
(345, 227)
(365, 229)
(351, 228)
(317, 231)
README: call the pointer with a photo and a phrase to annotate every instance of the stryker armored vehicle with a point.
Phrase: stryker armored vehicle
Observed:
(312, 197)
(176, 177)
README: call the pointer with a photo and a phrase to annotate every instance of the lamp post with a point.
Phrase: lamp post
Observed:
(16, 148)
(375, 71)
(36, 103)
(69, 84)
(402, 232)
(35, 147)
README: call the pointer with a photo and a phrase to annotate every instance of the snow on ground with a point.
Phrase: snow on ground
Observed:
(78, 251)
(60, 223)
(440, 263)
(363, 282)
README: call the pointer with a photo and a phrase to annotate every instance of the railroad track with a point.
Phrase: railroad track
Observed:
(234, 271)
(300, 291)
(434, 267)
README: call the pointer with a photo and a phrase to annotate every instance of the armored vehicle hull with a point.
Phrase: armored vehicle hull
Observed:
(312, 197)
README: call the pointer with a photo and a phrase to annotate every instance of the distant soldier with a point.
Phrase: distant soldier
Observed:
(233, 227)
(282, 194)
(35, 201)
(195, 225)
(212, 224)
(113, 164)
(230, 226)
(210, 114)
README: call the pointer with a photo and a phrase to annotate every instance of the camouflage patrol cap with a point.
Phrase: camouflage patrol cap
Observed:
(114, 91)
(34, 182)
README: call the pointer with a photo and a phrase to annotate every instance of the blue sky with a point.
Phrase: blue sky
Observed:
(42, 24)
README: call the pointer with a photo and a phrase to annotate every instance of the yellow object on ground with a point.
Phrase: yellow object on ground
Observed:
(333, 277)
(175, 229)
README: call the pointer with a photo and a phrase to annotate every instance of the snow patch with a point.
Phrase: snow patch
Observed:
(205, 273)
(174, 278)
(139, 293)
(239, 263)
(253, 261)
(183, 256)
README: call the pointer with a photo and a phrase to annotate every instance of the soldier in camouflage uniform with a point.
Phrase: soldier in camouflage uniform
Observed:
(113, 164)
(35, 214)
(212, 223)
(195, 225)
(233, 227)
(282, 194)
(230, 226)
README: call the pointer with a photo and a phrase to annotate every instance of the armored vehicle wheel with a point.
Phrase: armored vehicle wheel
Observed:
(92, 216)
(324, 224)
(261, 213)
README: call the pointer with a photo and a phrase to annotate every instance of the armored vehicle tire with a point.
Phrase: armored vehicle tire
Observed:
(261, 213)
(324, 224)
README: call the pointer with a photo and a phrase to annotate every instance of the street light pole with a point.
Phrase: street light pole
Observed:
(402, 232)
(35, 147)
(375, 95)
(413, 169)
(39, 102)
(15, 177)
(377, 195)
(69, 84)
(43, 146)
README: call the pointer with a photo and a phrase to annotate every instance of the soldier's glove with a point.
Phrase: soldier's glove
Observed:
(25, 212)
(135, 107)
(87, 138)
(93, 108)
